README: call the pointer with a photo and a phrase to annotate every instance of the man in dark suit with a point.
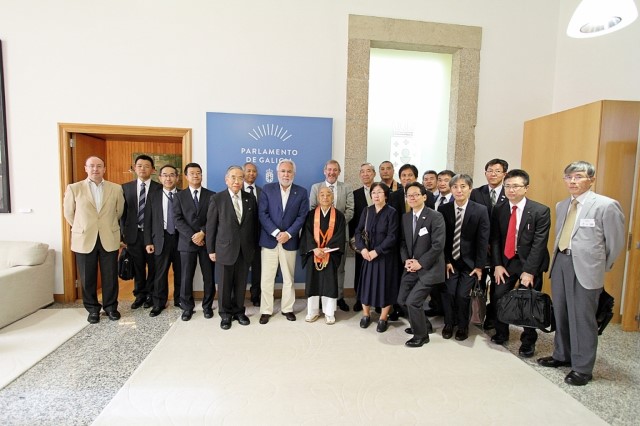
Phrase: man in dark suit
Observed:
(519, 236)
(444, 192)
(361, 200)
(136, 194)
(387, 172)
(430, 181)
(92, 208)
(422, 254)
(250, 176)
(282, 210)
(231, 238)
(489, 195)
(590, 235)
(161, 239)
(190, 211)
(465, 254)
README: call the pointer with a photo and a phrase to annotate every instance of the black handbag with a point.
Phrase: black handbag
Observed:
(478, 305)
(125, 265)
(526, 307)
(363, 234)
(604, 312)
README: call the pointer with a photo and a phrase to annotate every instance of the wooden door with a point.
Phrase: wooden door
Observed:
(631, 306)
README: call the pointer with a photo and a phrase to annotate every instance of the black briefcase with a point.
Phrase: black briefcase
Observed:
(125, 265)
(527, 307)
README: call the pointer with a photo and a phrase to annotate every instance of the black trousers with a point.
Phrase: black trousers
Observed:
(456, 299)
(256, 272)
(411, 297)
(170, 256)
(231, 286)
(144, 267)
(189, 260)
(88, 269)
(529, 335)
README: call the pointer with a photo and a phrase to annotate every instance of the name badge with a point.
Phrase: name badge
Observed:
(422, 231)
(588, 223)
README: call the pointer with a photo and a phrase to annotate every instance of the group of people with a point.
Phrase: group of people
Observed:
(414, 241)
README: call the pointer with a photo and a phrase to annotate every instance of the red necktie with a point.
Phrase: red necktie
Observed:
(510, 243)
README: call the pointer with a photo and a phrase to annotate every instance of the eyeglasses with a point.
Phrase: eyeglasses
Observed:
(414, 195)
(514, 187)
(493, 172)
(568, 178)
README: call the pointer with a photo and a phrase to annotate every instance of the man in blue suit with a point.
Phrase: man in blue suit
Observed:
(282, 209)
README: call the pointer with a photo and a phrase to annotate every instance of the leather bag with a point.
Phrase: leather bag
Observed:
(526, 307)
(125, 265)
(478, 305)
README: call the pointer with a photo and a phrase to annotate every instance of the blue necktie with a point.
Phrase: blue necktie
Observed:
(171, 225)
(141, 203)
(195, 199)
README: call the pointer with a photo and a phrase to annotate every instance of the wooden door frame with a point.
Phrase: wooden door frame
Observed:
(66, 166)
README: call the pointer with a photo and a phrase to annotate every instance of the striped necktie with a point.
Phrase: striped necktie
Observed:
(142, 200)
(457, 230)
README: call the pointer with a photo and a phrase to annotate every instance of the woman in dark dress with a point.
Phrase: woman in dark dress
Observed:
(322, 248)
(378, 286)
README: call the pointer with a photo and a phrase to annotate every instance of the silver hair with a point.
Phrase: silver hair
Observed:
(463, 177)
(234, 167)
(581, 166)
(287, 161)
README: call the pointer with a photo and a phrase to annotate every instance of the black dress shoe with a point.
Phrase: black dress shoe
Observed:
(357, 307)
(526, 351)
(447, 332)
(242, 319)
(365, 321)
(462, 334)
(549, 361)
(264, 318)
(113, 315)
(394, 316)
(408, 330)
(416, 342)
(148, 302)
(343, 305)
(137, 303)
(186, 315)
(155, 311)
(577, 379)
(225, 324)
(93, 318)
(208, 313)
(176, 303)
(289, 316)
(382, 326)
(498, 339)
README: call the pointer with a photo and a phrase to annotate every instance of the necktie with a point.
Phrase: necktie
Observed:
(510, 243)
(493, 197)
(250, 187)
(171, 225)
(443, 200)
(415, 223)
(567, 227)
(367, 196)
(195, 199)
(142, 199)
(456, 234)
(333, 203)
(236, 207)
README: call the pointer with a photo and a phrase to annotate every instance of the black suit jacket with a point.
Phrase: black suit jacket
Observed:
(154, 221)
(533, 235)
(474, 234)
(188, 219)
(428, 248)
(359, 205)
(129, 219)
(225, 236)
(482, 195)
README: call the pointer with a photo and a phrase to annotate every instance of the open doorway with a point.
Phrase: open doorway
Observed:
(115, 144)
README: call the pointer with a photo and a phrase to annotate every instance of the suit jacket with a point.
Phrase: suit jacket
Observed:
(428, 248)
(129, 219)
(85, 220)
(188, 219)
(344, 203)
(533, 236)
(154, 220)
(597, 238)
(290, 220)
(225, 236)
(482, 195)
(359, 205)
(474, 234)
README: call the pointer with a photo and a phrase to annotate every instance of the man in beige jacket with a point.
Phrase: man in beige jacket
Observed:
(93, 208)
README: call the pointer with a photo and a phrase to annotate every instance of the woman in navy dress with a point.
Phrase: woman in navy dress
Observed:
(378, 286)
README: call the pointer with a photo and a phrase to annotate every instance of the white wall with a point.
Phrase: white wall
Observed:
(166, 63)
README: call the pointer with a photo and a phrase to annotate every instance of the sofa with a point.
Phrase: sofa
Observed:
(26, 279)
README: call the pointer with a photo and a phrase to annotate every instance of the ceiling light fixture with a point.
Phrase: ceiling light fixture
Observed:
(594, 18)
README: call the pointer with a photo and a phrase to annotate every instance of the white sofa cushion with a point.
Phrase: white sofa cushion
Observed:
(22, 253)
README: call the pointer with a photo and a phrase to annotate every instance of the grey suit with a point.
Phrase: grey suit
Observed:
(343, 203)
(577, 277)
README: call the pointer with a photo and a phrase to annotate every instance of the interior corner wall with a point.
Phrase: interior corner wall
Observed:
(135, 62)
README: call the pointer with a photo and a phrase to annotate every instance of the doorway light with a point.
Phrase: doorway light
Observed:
(594, 18)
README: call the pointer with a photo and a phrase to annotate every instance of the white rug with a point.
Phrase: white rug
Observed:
(25, 342)
(314, 374)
